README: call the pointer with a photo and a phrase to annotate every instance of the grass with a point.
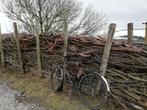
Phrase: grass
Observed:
(36, 88)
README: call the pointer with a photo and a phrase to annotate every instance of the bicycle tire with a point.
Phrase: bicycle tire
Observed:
(99, 101)
(57, 79)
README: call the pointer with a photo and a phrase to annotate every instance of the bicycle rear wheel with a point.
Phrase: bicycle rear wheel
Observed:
(93, 91)
(57, 79)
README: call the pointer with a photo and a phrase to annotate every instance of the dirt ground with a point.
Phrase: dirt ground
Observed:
(8, 100)
(38, 91)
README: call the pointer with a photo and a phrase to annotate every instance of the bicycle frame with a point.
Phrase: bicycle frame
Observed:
(66, 73)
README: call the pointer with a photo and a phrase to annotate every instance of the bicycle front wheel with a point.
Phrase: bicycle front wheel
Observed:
(93, 91)
(57, 79)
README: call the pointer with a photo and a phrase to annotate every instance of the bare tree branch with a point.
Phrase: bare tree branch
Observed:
(50, 13)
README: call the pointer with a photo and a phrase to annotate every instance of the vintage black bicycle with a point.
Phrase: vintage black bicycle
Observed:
(92, 88)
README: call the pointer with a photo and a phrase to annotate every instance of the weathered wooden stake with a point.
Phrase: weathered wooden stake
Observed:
(38, 52)
(16, 35)
(107, 49)
(145, 39)
(65, 41)
(65, 33)
(130, 32)
(1, 50)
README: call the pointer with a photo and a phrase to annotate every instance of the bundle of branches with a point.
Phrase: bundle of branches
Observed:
(127, 66)
(10, 50)
(28, 50)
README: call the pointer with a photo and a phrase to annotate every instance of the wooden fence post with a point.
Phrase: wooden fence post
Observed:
(130, 32)
(65, 40)
(16, 35)
(107, 49)
(145, 38)
(38, 53)
(1, 49)
(65, 33)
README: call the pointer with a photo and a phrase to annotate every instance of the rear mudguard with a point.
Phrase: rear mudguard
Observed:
(106, 82)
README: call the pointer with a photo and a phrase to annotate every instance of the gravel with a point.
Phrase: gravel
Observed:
(8, 100)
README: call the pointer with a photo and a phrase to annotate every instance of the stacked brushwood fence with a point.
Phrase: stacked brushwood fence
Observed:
(10, 50)
(127, 66)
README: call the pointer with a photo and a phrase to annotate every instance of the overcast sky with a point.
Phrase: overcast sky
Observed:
(122, 12)
(116, 11)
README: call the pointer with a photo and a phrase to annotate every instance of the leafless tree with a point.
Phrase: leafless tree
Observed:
(90, 23)
(48, 16)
